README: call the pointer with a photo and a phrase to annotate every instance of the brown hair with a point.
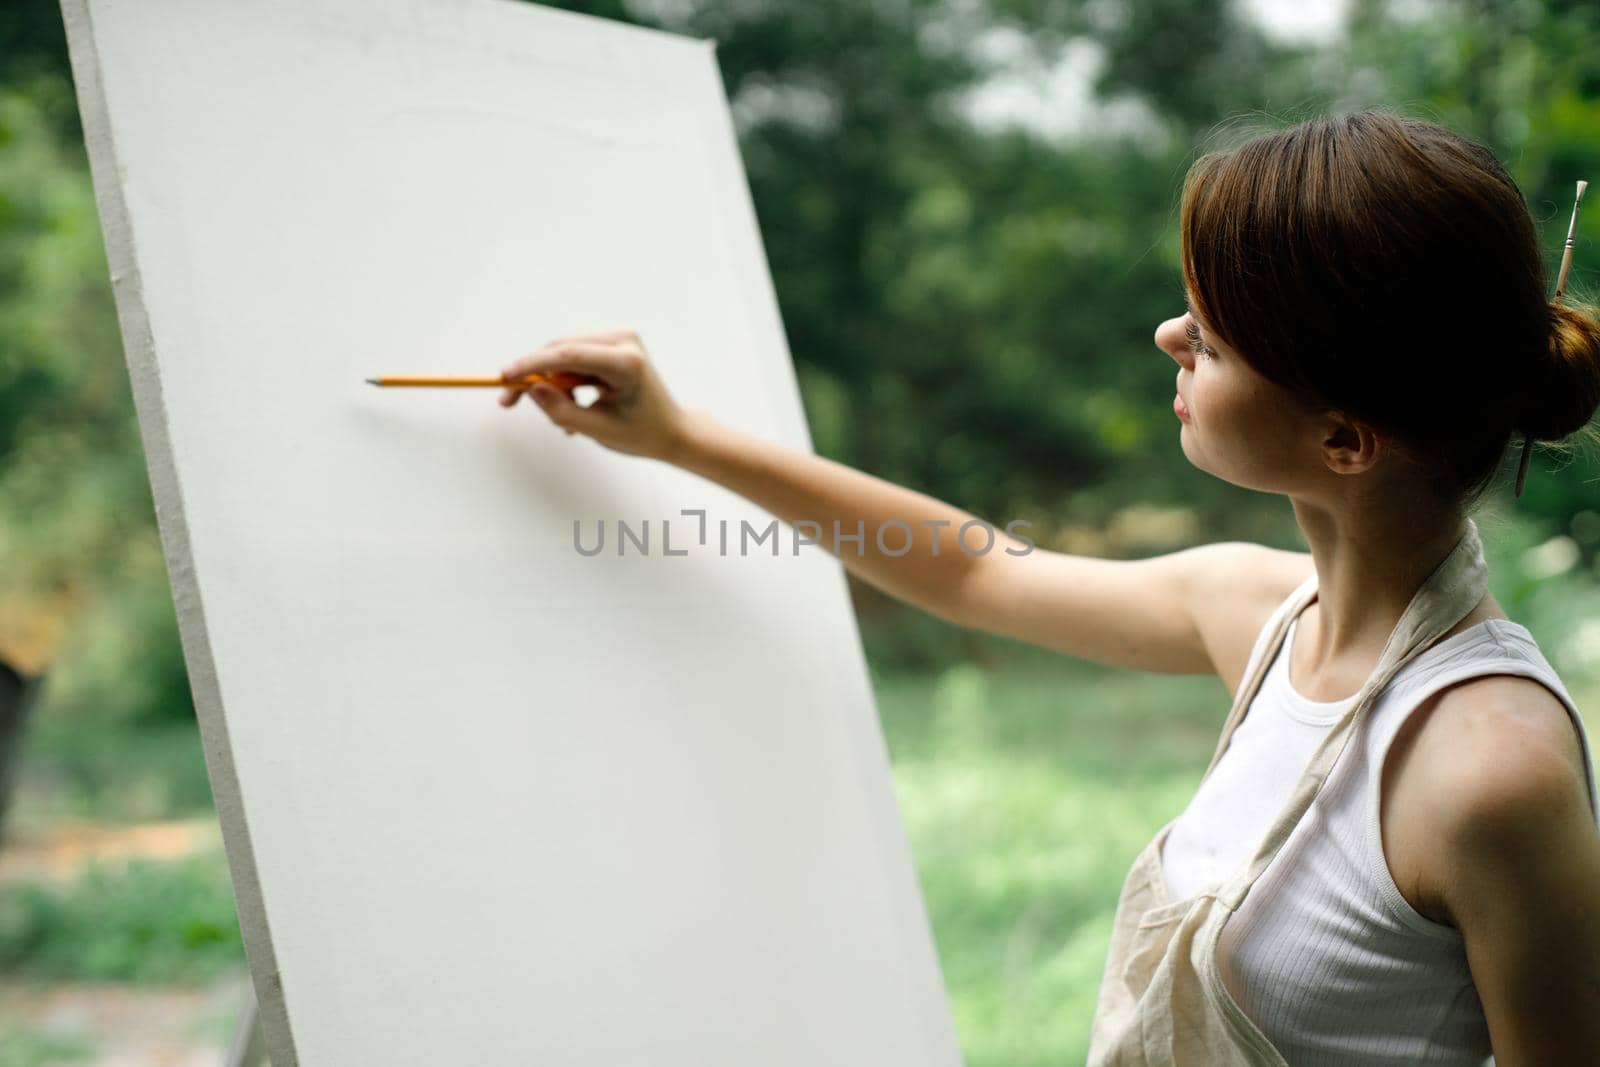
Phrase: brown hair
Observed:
(1389, 268)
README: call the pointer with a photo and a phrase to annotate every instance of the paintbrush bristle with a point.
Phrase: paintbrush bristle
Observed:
(373, 381)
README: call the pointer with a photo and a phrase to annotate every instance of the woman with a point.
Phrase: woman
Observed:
(1394, 856)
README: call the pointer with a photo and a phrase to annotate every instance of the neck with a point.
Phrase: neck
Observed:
(1370, 563)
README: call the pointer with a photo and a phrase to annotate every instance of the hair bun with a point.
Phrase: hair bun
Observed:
(1565, 391)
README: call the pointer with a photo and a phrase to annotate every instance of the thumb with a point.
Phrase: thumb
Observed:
(562, 409)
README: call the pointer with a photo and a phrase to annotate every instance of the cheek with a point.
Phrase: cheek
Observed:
(1233, 415)
(1243, 432)
(1230, 395)
(1216, 399)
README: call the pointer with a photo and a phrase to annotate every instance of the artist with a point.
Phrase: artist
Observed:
(1393, 857)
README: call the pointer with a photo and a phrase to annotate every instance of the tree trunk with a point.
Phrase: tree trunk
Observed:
(17, 694)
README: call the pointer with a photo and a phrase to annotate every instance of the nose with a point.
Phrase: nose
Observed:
(1170, 339)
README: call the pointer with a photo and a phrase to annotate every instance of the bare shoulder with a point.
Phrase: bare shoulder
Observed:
(1507, 853)
(1477, 769)
(1235, 587)
(1494, 739)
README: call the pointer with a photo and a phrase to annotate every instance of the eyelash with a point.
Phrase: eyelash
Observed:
(1197, 345)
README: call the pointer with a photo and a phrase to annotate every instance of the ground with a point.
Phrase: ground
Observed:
(111, 1024)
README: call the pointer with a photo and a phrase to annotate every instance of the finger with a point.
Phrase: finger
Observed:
(576, 358)
(611, 363)
(514, 391)
(563, 411)
(617, 335)
(567, 381)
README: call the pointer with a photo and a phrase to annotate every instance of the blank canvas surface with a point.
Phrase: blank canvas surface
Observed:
(488, 800)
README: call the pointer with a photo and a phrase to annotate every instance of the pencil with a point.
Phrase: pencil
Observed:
(559, 379)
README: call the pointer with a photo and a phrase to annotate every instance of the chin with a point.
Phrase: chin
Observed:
(1195, 455)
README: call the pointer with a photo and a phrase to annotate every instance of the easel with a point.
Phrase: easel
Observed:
(249, 1048)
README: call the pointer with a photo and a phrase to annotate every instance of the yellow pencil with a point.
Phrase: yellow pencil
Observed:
(559, 379)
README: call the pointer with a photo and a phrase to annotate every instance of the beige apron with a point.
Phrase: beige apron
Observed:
(1162, 1001)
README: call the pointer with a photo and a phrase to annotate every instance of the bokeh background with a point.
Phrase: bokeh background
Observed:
(970, 210)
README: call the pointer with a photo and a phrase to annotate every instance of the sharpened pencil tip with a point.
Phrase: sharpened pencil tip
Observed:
(373, 381)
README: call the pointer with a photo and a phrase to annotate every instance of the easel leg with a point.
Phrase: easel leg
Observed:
(249, 1049)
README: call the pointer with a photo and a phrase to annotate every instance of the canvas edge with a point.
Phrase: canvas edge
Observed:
(150, 405)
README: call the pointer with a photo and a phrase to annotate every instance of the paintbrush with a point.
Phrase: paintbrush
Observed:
(1561, 286)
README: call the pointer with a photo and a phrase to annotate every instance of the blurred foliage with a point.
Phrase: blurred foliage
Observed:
(23, 1046)
(133, 771)
(76, 520)
(143, 921)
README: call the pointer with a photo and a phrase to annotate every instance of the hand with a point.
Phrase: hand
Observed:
(634, 412)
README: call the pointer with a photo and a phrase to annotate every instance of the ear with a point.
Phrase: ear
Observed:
(1349, 446)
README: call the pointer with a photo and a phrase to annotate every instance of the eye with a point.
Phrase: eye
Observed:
(1198, 346)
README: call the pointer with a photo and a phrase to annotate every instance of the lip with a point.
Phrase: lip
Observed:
(1180, 409)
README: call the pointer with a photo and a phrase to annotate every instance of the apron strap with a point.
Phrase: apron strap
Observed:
(1445, 597)
(1260, 663)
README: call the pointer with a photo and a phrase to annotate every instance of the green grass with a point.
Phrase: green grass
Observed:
(1026, 795)
(143, 921)
(112, 771)
(24, 1047)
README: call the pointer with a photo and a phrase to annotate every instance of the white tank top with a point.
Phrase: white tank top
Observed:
(1324, 954)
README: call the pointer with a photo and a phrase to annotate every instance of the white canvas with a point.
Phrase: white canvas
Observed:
(487, 800)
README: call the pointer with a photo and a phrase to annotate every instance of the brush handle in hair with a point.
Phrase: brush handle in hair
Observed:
(1566, 252)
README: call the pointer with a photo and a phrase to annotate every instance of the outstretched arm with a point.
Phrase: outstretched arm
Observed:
(1189, 612)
